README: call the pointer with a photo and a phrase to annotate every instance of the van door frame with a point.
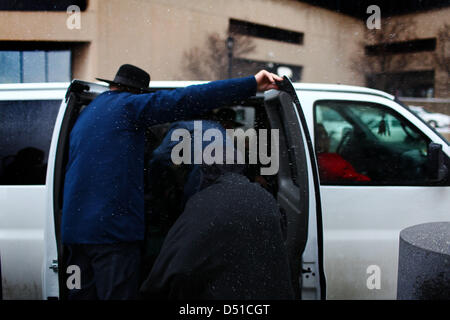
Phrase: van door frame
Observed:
(295, 121)
(78, 93)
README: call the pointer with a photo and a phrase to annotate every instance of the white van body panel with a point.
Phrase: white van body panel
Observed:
(21, 240)
(362, 223)
(23, 212)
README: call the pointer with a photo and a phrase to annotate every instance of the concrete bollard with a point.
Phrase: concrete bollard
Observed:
(424, 262)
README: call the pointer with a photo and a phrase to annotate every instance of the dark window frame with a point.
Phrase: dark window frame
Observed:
(402, 47)
(374, 78)
(358, 9)
(257, 30)
(41, 5)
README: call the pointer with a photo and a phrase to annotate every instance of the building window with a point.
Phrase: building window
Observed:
(411, 46)
(35, 66)
(242, 67)
(418, 84)
(265, 32)
(41, 5)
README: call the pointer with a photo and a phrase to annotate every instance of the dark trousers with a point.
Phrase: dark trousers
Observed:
(108, 271)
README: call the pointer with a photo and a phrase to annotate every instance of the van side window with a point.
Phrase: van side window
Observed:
(367, 143)
(26, 129)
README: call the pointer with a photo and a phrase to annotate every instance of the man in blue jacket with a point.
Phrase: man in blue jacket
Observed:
(103, 208)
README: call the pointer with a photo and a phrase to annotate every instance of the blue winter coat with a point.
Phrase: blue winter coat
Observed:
(104, 182)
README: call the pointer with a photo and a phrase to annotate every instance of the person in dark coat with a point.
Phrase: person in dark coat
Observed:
(228, 243)
(103, 202)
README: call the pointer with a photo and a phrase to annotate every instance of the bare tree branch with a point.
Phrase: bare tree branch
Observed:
(382, 60)
(211, 61)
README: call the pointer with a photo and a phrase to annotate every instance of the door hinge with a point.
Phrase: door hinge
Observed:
(306, 270)
(54, 266)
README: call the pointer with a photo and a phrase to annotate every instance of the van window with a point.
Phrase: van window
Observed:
(26, 129)
(367, 143)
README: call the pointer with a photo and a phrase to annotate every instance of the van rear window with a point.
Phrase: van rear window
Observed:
(26, 129)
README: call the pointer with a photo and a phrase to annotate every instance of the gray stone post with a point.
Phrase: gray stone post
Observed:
(424, 262)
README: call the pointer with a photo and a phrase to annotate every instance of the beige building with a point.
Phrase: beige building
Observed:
(320, 45)
(155, 34)
(412, 48)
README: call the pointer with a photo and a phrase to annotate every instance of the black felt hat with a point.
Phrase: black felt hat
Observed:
(228, 114)
(130, 76)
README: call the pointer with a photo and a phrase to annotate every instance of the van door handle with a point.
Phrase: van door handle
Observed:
(54, 266)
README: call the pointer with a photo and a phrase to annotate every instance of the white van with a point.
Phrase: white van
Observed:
(342, 233)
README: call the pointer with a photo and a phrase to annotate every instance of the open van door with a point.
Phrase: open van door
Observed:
(298, 191)
(78, 95)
